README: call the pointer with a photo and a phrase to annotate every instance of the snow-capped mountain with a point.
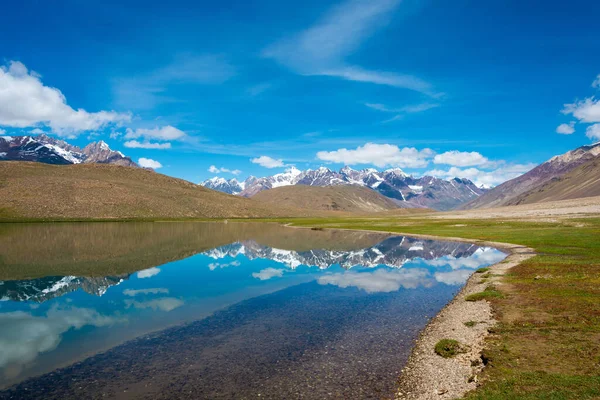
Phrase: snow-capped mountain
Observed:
(231, 186)
(394, 183)
(48, 150)
(43, 289)
(395, 252)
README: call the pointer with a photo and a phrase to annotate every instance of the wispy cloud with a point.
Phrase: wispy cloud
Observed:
(322, 49)
(134, 144)
(258, 89)
(215, 170)
(401, 111)
(147, 91)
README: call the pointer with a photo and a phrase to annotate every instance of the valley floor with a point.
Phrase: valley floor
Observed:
(546, 342)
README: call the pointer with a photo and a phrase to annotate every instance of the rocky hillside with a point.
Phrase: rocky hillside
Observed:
(348, 198)
(48, 150)
(537, 180)
(43, 191)
(407, 191)
(583, 181)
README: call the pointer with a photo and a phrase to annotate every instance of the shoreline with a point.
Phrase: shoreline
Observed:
(427, 375)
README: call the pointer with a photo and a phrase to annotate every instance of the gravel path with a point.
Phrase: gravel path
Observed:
(429, 376)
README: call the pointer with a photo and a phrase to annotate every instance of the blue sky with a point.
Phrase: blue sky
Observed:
(468, 88)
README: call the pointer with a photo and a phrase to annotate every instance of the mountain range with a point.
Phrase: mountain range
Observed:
(405, 190)
(48, 150)
(394, 252)
(572, 175)
(50, 287)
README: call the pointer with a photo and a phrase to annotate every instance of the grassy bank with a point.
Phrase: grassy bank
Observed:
(547, 344)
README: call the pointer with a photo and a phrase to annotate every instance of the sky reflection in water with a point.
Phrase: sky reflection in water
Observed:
(54, 320)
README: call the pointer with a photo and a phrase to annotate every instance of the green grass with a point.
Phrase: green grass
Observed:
(547, 345)
(471, 324)
(489, 293)
(448, 348)
(482, 270)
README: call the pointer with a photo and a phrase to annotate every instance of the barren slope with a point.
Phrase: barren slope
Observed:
(583, 181)
(327, 198)
(556, 167)
(35, 190)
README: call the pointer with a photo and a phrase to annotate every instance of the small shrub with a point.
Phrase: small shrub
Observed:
(470, 324)
(482, 270)
(489, 293)
(448, 348)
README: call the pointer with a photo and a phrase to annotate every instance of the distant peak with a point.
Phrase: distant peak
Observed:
(293, 170)
(396, 171)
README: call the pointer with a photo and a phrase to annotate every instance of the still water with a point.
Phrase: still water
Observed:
(216, 310)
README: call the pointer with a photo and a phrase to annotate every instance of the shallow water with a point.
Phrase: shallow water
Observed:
(216, 310)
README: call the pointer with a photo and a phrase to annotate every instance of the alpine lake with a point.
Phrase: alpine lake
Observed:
(216, 310)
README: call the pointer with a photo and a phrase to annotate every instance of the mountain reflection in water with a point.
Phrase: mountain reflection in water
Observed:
(55, 320)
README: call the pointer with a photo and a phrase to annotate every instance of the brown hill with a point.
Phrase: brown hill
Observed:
(353, 199)
(90, 191)
(509, 192)
(583, 181)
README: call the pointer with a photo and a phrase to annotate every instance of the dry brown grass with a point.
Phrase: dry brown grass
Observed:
(330, 198)
(96, 191)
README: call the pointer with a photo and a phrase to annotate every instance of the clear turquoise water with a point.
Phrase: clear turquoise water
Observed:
(229, 321)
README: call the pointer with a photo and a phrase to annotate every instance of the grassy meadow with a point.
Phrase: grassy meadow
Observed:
(547, 342)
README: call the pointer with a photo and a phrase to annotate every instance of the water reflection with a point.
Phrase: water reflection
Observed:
(54, 320)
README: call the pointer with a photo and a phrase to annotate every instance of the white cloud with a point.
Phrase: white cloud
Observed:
(593, 132)
(460, 158)
(134, 144)
(25, 102)
(149, 163)
(36, 131)
(452, 278)
(24, 336)
(164, 133)
(323, 48)
(268, 273)
(268, 162)
(147, 91)
(566, 129)
(482, 257)
(380, 155)
(214, 170)
(147, 273)
(135, 292)
(2, 131)
(213, 266)
(162, 304)
(484, 178)
(380, 280)
(587, 110)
